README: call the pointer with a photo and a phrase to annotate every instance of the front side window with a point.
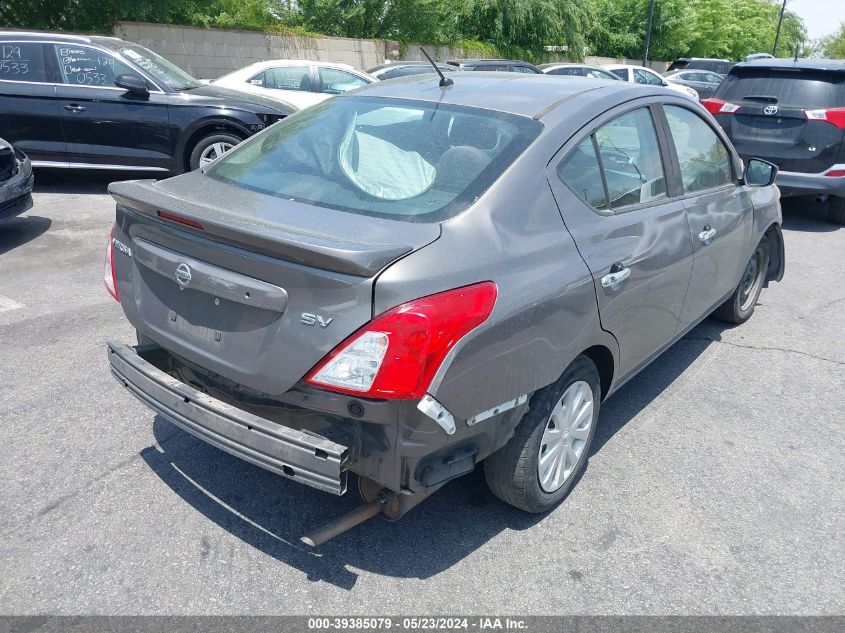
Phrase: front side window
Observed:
(392, 158)
(288, 78)
(22, 61)
(630, 155)
(642, 76)
(704, 160)
(336, 81)
(86, 66)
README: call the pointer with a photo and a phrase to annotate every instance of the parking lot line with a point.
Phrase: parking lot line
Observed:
(7, 304)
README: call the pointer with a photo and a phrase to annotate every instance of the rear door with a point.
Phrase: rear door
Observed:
(611, 188)
(30, 117)
(719, 210)
(772, 120)
(104, 124)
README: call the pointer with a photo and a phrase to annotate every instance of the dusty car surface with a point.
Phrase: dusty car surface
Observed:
(405, 281)
(15, 181)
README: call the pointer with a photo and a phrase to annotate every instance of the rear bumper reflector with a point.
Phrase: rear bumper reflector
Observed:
(308, 459)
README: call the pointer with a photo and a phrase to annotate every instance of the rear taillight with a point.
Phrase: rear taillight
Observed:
(397, 354)
(835, 173)
(834, 116)
(717, 106)
(108, 273)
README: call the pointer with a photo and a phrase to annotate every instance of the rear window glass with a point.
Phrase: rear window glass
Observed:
(401, 159)
(802, 89)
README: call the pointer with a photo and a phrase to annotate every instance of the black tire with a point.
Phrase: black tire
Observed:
(512, 472)
(740, 305)
(836, 211)
(206, 142)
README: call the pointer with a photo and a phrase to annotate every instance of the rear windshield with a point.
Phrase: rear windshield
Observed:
(394, 158)
(805, 89)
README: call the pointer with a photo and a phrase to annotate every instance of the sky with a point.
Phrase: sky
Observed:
(822, 17)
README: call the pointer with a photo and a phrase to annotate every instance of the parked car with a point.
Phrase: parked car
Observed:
(15, 181)
(702, 81)
(408, 280)
(751, 57)
(299, 82)
(503, 65)
(102, 103)
(391, 70)
(643, 75)
(792, 113)
(721, 66)
(577, 70)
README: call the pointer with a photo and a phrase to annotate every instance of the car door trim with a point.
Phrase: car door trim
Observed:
(72, 165)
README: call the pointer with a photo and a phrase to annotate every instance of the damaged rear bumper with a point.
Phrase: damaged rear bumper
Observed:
(299, 455)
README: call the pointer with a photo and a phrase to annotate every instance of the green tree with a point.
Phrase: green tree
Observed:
(833, 46)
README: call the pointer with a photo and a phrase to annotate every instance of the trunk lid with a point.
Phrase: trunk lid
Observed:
(264, 289)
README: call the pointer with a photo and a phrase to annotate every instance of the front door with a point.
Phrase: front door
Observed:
(612, 191)
(104, 124)
(719, 212)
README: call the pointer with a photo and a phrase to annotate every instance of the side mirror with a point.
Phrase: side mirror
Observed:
(665, 83)
(132, 83)
(759, 173)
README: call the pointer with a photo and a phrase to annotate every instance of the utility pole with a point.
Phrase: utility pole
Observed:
(648, 30)
(777, 32)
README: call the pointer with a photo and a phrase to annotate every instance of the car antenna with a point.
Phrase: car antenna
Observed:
(444, 81)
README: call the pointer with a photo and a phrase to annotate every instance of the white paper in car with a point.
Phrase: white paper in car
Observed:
(384, 170)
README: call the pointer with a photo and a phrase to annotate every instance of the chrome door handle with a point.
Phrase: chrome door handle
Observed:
(707, 235)
(615, 279)
(75, 107)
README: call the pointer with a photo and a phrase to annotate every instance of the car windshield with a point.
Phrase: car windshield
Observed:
(162, 70)
(807, 89)
(407, 160)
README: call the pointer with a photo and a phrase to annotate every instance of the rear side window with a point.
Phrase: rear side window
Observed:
(807, 89)
(629, 166)
(567, 70)
(22, 61)
(622, 73)
(392, 158)
(580, 172)
(703, 158)
(524, 69)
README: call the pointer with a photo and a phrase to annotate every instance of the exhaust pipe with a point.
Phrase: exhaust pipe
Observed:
(346, 522)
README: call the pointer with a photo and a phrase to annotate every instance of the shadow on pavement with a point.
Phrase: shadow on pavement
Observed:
(83, 182)
(805, 214)
(270, 513)
(20, 230)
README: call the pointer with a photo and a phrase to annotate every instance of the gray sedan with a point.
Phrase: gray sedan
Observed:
(427, 275)
(15, 181)
(704, 81)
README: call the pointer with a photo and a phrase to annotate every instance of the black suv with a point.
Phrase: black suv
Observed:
(791, 113)
(502, 65)
(103, 103)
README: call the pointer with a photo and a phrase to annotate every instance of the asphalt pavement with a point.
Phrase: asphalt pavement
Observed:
(715, 484)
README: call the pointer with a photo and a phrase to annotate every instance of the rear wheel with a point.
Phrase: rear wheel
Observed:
(740, 305)
(211, 147)
(836, 212)
(537, 468)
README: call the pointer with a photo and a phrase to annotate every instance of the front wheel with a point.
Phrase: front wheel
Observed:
(538, 466)
(740, 305)
(210, 148)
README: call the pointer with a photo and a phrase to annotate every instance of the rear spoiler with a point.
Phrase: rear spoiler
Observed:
(333, 248)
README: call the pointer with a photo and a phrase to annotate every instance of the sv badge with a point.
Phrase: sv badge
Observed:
(314, 319)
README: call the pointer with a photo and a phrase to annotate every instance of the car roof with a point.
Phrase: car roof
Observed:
(270, 63)
(517, 93)
(566, 65)
(70, 38)
(835, 65)
(618, 66)
(385, 67)
(702, 59)
(481, 61)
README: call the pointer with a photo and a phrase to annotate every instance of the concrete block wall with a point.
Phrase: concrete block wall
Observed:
(210, 53)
